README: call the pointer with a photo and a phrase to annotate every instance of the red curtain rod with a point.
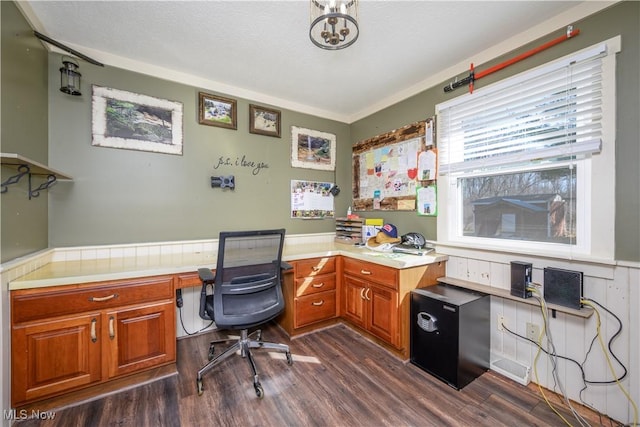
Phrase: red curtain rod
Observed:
(473, 76)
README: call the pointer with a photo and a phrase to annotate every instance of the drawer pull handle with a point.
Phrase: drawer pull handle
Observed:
(318, 285)
(316, 268)
(94, 337)
(100, 299)
(318, 303)
(366, 272)
(112, 331)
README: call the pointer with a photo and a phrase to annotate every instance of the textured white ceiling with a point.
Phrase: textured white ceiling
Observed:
(261, 49)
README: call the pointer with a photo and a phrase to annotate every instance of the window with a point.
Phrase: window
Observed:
(527, 163)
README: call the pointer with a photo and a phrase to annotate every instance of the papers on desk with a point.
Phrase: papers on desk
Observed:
(412, 251)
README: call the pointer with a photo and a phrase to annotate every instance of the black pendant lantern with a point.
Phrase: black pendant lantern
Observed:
(70, 77)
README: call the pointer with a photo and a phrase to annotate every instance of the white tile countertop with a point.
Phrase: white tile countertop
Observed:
(153, 263)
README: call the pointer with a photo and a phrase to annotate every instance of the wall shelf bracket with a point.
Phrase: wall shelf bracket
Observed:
(30, 167)
(51, 179)
(22, 171)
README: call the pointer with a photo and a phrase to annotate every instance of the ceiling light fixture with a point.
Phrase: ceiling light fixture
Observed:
(334, 23)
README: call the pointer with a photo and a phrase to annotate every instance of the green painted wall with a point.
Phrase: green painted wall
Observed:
(24, 82)
(623, 19)
(123, 196)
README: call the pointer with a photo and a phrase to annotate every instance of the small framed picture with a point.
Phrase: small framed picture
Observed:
(312, 149)
(264, 121)
(217, 111)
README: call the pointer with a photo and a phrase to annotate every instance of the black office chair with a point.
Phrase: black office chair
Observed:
(245, 292)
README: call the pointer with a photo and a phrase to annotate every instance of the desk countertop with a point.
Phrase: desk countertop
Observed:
(96, 270)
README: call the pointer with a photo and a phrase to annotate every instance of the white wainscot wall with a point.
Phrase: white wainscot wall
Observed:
(188, 320)
(616, 287)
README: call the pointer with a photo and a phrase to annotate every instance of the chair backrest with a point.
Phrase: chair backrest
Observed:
(247, 290)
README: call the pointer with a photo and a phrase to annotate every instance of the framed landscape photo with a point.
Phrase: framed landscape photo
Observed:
(264, 121)
(128, 120)
(217, 111)
(312, 149)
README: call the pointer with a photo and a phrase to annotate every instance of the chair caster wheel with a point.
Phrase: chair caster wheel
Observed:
(211, 351)
(289, 358)
(199, 387)
(259, 390)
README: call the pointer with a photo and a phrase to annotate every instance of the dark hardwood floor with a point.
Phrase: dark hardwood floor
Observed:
(338, 378)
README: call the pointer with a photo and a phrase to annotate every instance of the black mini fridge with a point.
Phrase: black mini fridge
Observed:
(450, 333)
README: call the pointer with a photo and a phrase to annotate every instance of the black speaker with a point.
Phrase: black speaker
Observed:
(563, 287)
(520, 278)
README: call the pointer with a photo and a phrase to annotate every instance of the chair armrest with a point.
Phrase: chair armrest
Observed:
(285, 266)
(206, 275)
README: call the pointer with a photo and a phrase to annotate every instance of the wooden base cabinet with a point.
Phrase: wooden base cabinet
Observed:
(375, 298)
(311, 294)
(69, 337)
(54, 356)
(371, 305)
(141, 337)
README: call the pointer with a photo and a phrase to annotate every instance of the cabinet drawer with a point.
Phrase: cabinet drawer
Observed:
(314, 308)
(40, 304)
(315, 284)
(315, 266)
(188, 280)
(369, 271)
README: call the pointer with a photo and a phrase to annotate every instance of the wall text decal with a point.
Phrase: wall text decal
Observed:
(242, 162)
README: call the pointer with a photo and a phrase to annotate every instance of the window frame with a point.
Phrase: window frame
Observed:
(595, 203)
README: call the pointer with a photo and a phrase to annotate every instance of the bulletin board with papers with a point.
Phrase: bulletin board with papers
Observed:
(389, 169)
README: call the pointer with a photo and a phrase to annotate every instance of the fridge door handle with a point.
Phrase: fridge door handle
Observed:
(427, 322)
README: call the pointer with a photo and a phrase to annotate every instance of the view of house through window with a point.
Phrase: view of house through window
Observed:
(526, 163)
(538, 205)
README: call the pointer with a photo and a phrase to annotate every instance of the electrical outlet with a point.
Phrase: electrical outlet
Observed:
(533, 331)
(501, 322)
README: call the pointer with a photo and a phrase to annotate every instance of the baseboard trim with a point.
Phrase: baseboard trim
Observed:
(98, 391)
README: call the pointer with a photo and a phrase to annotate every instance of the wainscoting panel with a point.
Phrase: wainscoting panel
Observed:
(616, 287)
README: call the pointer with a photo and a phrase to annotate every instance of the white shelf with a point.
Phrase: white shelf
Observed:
(12, 159)
(503, 293)
(25, 166)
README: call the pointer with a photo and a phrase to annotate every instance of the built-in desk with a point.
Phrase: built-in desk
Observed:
(102, 308)
(61, 273)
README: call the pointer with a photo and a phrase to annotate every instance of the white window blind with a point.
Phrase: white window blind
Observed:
(552, 112)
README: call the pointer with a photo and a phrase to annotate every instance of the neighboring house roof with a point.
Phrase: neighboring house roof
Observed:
(529, 202)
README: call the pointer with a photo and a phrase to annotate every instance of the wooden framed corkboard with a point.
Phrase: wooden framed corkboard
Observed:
(385, 168)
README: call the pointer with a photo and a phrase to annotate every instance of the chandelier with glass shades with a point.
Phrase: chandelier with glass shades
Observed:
(334, 23)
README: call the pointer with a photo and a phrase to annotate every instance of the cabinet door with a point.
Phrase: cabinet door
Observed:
(140, 337)
(51, 357)
(354, 302)
(382, 316)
